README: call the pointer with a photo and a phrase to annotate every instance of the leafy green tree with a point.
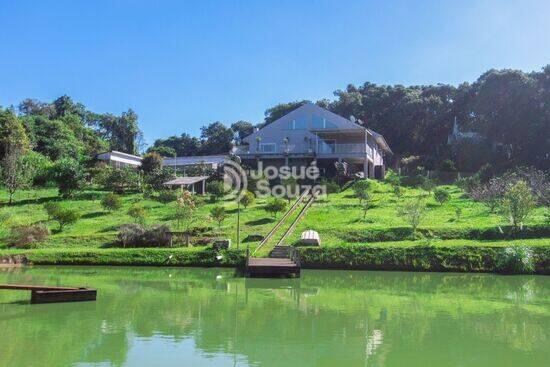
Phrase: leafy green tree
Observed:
(216, 138)
(51, 207)
(120, 180)
(360, 189)
(441, 195)
(186, 208)
(137, 212)
(518, 203)
(413, 211)
(166, 196)
(65, 216)
(216, 189)
(111, 202)
(278, 111)
(151, 162)
(68, 175)
(274, 206)
(242, 129)
(247, 199)
(219, 214)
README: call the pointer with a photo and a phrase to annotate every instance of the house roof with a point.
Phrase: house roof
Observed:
(183, 181)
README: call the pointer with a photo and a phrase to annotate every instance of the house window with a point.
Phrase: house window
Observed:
(267, 147)
(322, 123)
(300, 124)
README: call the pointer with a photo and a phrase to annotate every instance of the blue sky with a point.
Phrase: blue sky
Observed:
(183, 64)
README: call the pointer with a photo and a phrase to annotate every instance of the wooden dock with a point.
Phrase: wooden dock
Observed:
(267, 267)
(50, 294)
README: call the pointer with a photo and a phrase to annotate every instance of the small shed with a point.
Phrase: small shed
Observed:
(310, 237)
(195, 184)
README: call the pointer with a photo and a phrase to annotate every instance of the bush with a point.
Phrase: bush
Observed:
(216, 189)
(111, 202)
(441, 195)
(331, 187)
(518, 203)
(51, 207)
(275, 205)
(119, 180)
(65, 217)
(447, 165)
(151, 162)
(25, 236)
(137, 212)
(413, 212)
(68, 175)
(360, 189)
(247, 199)
(515, 260)
(158, 177)
(219, 214)
(136, 235)
(166, 196)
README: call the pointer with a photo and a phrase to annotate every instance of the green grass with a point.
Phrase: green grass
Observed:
(339, 218)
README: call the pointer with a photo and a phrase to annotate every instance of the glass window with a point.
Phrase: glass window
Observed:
(267, 147)
(318, 122)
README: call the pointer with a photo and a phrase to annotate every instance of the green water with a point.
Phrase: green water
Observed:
(206, 317)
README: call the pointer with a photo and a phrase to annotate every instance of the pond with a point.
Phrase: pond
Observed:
(208, 317)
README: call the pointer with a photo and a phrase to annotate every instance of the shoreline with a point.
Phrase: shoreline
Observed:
(462, 259)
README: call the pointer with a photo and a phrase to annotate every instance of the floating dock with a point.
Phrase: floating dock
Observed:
(272, 267)
(48, 294)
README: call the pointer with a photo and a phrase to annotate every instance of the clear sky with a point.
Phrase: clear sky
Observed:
(183, 64)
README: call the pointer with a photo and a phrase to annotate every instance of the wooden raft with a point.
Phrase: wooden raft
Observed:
(48, 294)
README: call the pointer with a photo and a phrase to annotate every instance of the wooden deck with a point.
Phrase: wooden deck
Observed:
(50, 294)
(272, 267)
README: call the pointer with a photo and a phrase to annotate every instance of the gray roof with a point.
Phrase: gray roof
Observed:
(183, 181)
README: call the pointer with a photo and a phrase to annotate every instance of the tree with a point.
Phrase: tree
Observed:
(274, 206)
(219, 214)
(65, 216)
(166, 196)
(216, 138)
(490, 193)
(182, 146)
(413, 212)
(278, 111)
(151, 163)
(331, 187)
(68, 174)
(518, 203)
(157, 178)
(51, 207)
(441, 195)
(247, 199)
(366, 206)
(398, 192)
(119, 180)
(137, 212)
(15, 173)
(242, 129)
(185, 209)
(360, 189)
(111, 202)
(216, 189)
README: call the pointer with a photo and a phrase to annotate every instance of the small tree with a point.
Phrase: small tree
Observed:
(458, 213)
(185, 209)
(15, 173)
(428, 185)
(216, 190)
(413, 212)
(166, 196)
(397, 191)
(491, 193)
(65, 217)
(275, 205)
(441, 195)
(68, 174)
(137, 212)
(518, 203)
(366, 206)
(247, 199)
(151, 162)
(120, 180)
(331, 187)
(111, 202)
(219, 214)
(360, 189)
(51, 207)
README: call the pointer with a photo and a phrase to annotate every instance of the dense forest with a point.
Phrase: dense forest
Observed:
(510, 109)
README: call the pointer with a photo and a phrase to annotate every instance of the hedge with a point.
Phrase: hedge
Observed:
(406, 233)
(416, 258)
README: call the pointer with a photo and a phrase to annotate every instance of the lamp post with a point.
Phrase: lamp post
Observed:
(238, 222)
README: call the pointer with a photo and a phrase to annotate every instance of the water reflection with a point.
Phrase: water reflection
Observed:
(170, 316)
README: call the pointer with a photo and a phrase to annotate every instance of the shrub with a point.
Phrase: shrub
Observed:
(441, 195)
(275, 205)
(51, 207)
(65, 217)
(447, 165)
(151, 162)
(397, 191)
(137, 212)
(458, 213)
(247, 199)
(111, 202)
(219, 214)
(413, 212)
(331, 187)
(158, 177)
(25, 236)
(360, 189)
(518, 203)
(120, 180)
(68, 175)
(216, 189)
(468, 183)
(136, 235)
(516, 260)
(166, 196)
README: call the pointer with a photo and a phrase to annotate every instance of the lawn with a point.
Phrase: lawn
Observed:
(339, 219)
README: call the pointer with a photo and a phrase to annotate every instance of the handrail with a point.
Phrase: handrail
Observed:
(276, 227)
(295, 222)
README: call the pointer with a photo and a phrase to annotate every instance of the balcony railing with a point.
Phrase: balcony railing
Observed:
(322, 149)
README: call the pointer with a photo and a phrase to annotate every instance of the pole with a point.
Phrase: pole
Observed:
(238, 223)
